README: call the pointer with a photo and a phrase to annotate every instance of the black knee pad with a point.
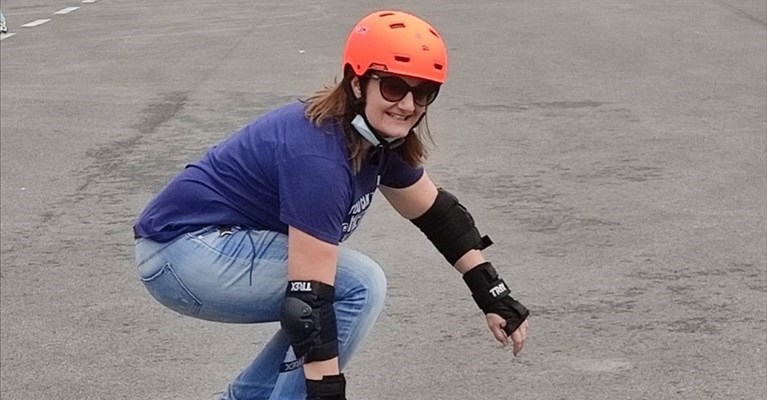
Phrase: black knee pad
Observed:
(309, 320)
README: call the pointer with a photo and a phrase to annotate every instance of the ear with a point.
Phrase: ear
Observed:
(356, 89)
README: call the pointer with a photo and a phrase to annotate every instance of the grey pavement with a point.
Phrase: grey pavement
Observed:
(614, 150)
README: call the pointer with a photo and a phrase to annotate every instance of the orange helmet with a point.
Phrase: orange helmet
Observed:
(396, 42)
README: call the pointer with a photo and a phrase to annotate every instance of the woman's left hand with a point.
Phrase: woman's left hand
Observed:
(496, 323)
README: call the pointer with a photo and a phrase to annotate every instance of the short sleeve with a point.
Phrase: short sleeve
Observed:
(315, 193)
(398, 174)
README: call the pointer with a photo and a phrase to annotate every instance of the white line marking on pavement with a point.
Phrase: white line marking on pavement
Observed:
(38, 22)
(65, 11)
(35, 23)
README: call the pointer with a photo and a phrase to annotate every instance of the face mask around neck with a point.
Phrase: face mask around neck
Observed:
(364, 130)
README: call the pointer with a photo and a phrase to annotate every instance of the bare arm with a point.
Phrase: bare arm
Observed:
(412, 201)
(312, 259)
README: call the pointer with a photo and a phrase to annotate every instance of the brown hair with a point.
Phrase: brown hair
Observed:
(333, 103)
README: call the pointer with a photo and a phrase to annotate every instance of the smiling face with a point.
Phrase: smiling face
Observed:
(392, 119)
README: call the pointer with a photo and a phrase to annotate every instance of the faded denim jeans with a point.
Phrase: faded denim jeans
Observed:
(240, 276)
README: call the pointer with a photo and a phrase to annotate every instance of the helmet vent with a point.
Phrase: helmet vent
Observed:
(397, 25)
(402, 59)
(434, 33)
(438, 67)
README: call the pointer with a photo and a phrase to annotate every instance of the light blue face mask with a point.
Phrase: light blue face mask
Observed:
(364, 130)
(362, 127)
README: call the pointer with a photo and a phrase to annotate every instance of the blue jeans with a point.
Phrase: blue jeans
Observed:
(241, 277)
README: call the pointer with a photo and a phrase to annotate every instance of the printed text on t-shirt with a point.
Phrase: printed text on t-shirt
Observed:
(355, 214)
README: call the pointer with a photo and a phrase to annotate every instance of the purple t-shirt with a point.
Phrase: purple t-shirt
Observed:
(279, 170)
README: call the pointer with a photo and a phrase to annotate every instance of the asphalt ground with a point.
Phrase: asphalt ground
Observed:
(614, 150)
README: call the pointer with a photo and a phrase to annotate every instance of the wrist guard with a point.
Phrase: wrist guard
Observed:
(331, 387)
(492, 296)
(450, 227)
(309, 320)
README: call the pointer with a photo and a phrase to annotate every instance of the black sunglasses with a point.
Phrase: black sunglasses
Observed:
(394, 89)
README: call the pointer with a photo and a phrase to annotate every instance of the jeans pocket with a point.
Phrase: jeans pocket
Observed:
(166, 287)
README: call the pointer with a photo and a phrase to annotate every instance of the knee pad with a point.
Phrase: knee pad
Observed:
(309, 320)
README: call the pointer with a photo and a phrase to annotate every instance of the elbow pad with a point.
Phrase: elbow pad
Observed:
(309, 320)
(450, 227)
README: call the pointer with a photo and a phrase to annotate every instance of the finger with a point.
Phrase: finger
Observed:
(517, 348)
(520, 335)
(518, 338)
(500, 335)
(522, 332)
